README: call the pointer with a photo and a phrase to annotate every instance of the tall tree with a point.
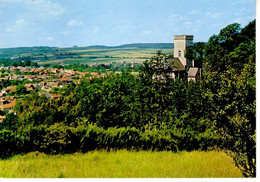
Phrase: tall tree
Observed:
(230, 70)
(196, 53)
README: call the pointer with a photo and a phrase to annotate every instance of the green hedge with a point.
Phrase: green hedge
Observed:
(59, 138)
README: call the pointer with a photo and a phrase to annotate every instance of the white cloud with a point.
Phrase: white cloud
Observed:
(243, 20)
(94, 30)
(243, 2)
(176, 21)
(17, 26)
(65, 32)
(187, 23)
(177, 17)
(11, 1)
(49, 38)
(195, 12)
(123, 27)
(147, 32)
(239, 20)
(20, 22)
(9, 29)
(44, 9)
(73, 23)
(214, 15)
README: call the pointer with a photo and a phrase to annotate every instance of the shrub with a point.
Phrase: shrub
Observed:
(8, 143)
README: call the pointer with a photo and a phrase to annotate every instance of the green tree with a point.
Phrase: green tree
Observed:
(219, 46)
(17, 72)
(196, 53)
(27, 62)
(230, 86)
(20, 89)
(15, 64)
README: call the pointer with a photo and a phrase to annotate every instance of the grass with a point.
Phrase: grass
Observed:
(121, 164)
(90, 56)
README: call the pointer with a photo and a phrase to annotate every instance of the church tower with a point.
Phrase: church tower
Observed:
(181, 42)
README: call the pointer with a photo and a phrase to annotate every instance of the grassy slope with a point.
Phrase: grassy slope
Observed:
(121, 164)
(87, 55)
(91, 56)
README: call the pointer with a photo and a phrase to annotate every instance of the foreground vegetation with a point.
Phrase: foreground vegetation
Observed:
(121, 164)
(150, 111)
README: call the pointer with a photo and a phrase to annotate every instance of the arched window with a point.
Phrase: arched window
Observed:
(179, 53)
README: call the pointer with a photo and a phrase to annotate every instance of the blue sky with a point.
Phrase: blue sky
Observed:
(65, 23)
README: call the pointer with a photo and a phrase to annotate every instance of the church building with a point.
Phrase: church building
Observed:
(182, 67)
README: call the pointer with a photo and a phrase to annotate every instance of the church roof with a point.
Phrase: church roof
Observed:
(192, 72)
(175, 64)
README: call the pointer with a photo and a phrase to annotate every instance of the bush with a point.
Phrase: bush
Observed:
(57, 139)
(8, 143)
(158, 140)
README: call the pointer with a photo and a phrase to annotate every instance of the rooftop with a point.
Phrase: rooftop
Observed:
(175, 64)
(181, 37)
(192, 72)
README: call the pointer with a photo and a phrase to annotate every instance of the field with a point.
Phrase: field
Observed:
(121, 164)
(87, 55)
(93, 56)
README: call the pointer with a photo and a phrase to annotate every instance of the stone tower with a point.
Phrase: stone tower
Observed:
(181, 42)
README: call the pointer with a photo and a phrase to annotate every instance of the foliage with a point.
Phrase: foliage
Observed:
(196, 53)
(230, 72)
(20, 89)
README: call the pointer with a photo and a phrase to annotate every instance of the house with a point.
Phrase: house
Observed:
(94, 75)
(2, 118)
(31, 78)
(32, 70)
(55, 70)
(193, 74)
(65, 81)
(8, 107)
(55, 96)
(13, 68)
(43, 84)
(47, 70)
(52, 96)
(3, 102)
(9, 89)
(29, 87)
(12, 98)
(54, 84)
(7, 77)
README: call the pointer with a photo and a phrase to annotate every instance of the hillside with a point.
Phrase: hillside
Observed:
(91, 54)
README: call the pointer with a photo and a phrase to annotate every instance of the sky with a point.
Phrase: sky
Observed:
(65, 23)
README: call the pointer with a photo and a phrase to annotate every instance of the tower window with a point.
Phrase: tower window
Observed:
(179, 53)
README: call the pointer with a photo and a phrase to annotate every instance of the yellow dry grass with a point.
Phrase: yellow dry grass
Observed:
(122, 164)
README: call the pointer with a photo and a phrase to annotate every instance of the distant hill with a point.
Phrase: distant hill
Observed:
(137, 52)
(149, 45)
(135, 45)
(18, 51)
(28, 51)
